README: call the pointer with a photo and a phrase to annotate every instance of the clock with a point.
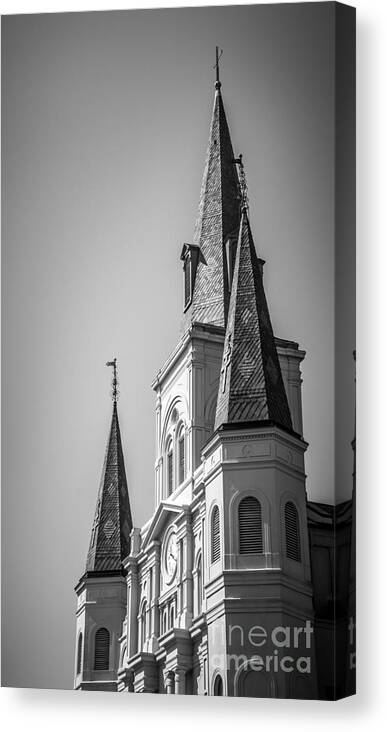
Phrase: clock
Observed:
(170, 558)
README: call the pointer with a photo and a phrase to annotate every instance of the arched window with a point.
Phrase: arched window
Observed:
(169, 468)
(218, 686)
(79, 654)
(181, 452)
(172, 616)
(292, 532)
(165, 620)
(143, 625)
(215, 535)
(101, 652)
(250, 526)
(199, 580)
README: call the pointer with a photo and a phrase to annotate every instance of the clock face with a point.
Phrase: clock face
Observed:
(170, 557)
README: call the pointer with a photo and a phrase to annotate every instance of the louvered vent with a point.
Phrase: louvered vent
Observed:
(292, 532)
(102, 643)
(79, 654)
(250, 526)
(215, 535)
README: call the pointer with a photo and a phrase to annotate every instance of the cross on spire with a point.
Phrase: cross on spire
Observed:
(114, 379)
(216, 67)
(95, 522)
(226, 362)
(242, 183)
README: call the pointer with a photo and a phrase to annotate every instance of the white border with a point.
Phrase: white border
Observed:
(64, 710)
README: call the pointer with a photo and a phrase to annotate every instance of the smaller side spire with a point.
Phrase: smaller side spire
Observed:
(110, 536)
(251, 387)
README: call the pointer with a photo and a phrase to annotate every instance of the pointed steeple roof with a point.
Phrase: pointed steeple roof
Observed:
(217, 222)
(110, 536)
(251, 387)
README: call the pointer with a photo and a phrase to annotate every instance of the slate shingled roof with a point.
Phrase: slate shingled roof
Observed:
(218, 220)
(110, 537)
(251, 386)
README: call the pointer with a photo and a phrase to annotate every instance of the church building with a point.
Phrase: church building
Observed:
(218, 593)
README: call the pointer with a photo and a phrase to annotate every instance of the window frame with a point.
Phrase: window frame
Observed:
(218, 685)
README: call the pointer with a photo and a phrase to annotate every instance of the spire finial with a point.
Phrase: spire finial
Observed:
(242, 184)
(115, 391)
(218, 55)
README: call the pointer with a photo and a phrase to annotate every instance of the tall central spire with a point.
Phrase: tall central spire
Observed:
(217, 222)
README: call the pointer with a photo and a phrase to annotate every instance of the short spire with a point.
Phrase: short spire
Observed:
(251, 387)
(216, 67)
(110, 536)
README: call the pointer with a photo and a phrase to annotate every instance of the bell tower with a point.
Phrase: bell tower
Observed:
(258, 583)
(186, 386)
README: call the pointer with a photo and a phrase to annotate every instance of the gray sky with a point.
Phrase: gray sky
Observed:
(105, 125)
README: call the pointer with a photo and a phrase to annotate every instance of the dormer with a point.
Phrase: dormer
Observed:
(190, 255)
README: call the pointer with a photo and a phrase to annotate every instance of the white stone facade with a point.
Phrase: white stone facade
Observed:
(181, 605)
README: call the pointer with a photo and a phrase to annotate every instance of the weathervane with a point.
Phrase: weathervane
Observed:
(218, 55)
(242, 183)
(115, 391)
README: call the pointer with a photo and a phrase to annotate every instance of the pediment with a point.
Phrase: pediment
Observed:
(162, 516)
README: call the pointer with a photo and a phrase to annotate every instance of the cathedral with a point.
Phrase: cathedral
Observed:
(231, 587)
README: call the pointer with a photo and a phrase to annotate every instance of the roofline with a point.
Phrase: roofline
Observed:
(195, 330)
(253, 425)
(287, 345)
(257, 423)
(91, 574)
